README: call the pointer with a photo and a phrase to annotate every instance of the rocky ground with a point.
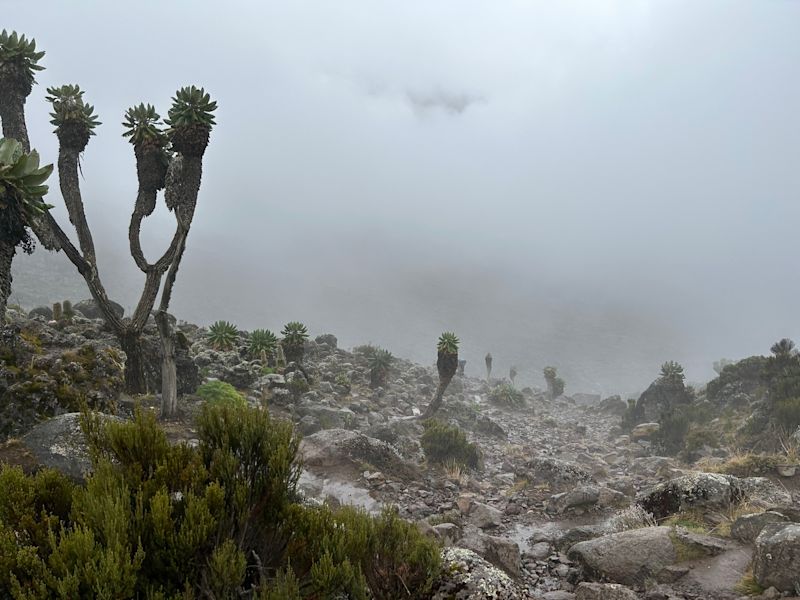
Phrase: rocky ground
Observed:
(564, 504)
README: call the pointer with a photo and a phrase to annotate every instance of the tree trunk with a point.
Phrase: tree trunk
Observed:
(169, 372)
(135, 380)
(7, 251)
(436, 403)
(12, 112)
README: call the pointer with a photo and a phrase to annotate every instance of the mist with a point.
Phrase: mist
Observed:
(600, 186)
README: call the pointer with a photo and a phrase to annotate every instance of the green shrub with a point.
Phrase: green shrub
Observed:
(384, 555)
(555, 385)
(343, 380)
(787, 413)
(218, 520)
(219, 392)
(443, 443)
(507, 395)
(672, 434)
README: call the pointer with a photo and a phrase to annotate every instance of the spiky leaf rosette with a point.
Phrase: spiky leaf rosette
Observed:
(75, 120)
(672, 372)
(447, 355)
(294, 336)
(18, 62)
(21, 191)
(222, 335)
(262, 340)
(144, 129)
(190, 119)
(294, 332)
(379, 363)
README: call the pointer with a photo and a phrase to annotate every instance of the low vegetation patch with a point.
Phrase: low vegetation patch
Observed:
(749, 465)
(219, 392)
(219, 520)
(507, 395)
(447, 444)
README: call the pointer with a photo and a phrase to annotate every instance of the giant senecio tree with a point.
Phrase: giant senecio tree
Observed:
(446, 365)
(168, 157)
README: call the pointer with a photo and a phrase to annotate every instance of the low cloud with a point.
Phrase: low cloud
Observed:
(451, 103)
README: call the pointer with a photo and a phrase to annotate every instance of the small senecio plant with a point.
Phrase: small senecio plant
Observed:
(262, 341)
(294, 335)
(447, 365)
(222, 335)
(380, 362)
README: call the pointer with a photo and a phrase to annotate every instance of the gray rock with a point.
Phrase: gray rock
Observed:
(327, 339)
(604, 591)
(569, 537)
(628, 557)
(59, 443)
(485, 516)
(342, 448)
(613, 405)
(501, 552)
(539, 551)
(41, 311)
(645, 431)
(747, 527)
(776, 560)
(553, 471)
(309, 425)
(448, 533)
(90, 309)
(466, 576)
(697, 490)
(585, 495)
(631, 557)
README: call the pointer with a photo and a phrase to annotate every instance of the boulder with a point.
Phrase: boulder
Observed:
(448, 533)
(644, 431)
(558, 473)
(709, 491)
(776, 560)
(697, 490)
(628, 557)
(634, 556)
(746, 528)
(585, 495)
(613, 405)
(501, 552)
(327, 339)
(90, 309)
(604, 591)
(485, 516)
(59, 444)
(45, 373)
(661, 397)
(466, 576)
(41, 311)
(332, 448)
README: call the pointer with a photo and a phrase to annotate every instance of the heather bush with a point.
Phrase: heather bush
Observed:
(443, 443)
(218, 520)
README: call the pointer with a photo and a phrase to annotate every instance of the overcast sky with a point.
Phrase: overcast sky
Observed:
(601, 185)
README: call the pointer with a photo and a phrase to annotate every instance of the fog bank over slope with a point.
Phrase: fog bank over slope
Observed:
(597, 185)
